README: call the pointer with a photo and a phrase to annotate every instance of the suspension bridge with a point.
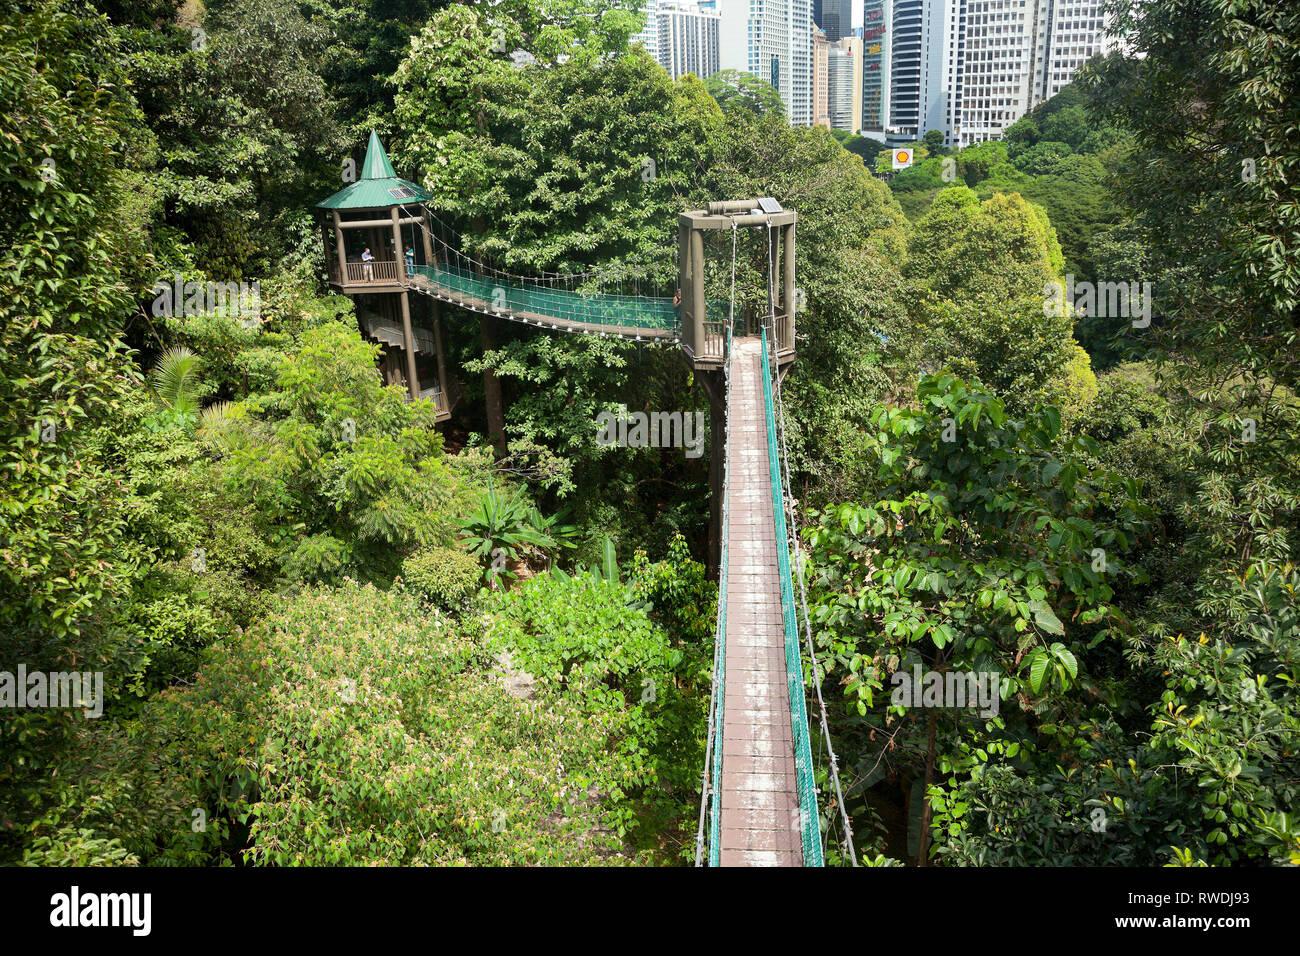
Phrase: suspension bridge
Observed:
(759, 796)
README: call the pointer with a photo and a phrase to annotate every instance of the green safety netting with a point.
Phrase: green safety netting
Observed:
(635, 312)
(810, 824)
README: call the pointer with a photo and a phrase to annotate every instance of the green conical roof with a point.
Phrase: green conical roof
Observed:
(379, 186)
(377, 165)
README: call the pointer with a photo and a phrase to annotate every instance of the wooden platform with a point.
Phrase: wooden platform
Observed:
(760, 802)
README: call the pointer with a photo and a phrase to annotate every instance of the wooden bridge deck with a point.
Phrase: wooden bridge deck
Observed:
(760, 802)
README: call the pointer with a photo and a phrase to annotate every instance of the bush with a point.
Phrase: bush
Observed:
(445, 578)
(1077, 391)
(386, 739)
(592, 639)
(349, 729)
(678, 596)
(72, 847)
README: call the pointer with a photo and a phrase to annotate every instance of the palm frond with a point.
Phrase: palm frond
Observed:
(175, 379)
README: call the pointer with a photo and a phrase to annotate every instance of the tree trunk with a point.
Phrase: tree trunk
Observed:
(714, 385)
(488, 326)
(496, 415)
(923, 838)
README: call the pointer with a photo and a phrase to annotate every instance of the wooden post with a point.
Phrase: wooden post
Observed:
(408, 334)
(686, 303)
(428, 261)
(786, 340)
(697, 290)
(338, 245)
(398, 251)
(442, 363)
(408, 339)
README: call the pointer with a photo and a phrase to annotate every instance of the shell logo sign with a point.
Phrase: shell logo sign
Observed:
(902, 158)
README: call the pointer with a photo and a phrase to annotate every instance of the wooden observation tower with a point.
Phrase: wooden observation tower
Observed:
(385, 215)
(702, 335)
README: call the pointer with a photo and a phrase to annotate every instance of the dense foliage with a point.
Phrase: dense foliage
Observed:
(333, 630)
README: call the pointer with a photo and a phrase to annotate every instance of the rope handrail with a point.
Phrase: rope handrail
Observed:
(600, 309)
(712, 792)
(544, 273)
(545, 281)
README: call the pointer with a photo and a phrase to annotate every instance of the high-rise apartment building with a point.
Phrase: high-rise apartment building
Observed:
(649, 35)
(844, 84)
(686, 37)
(821, 51)
(772, 39)
(1019, 53)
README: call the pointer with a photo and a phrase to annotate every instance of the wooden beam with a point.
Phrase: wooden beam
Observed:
(373, 223)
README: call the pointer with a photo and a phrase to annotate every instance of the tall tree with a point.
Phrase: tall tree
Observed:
(63, 367)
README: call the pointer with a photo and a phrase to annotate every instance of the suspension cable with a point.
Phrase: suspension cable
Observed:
(541, 277)
(731, 311)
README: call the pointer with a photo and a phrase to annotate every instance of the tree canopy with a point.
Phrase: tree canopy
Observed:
(341, 624)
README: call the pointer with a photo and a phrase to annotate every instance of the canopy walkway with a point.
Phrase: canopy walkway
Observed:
(758, 795)
(637, 318)
(763, 766)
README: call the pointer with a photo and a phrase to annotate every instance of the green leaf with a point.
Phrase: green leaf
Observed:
(1067, 660)
(1037, 670)
(1046, 619)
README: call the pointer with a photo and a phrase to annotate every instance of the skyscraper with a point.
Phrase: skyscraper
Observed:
(844, 84)
(915, 68)
(968, 68)
(1074, 36)
(686, 37)
(772, 39)
(1019, 53)
(877, 17)
(837, 19)
(821, 80)
(1002, 43)
(971, 68)
(649, 35)
(953, 69)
